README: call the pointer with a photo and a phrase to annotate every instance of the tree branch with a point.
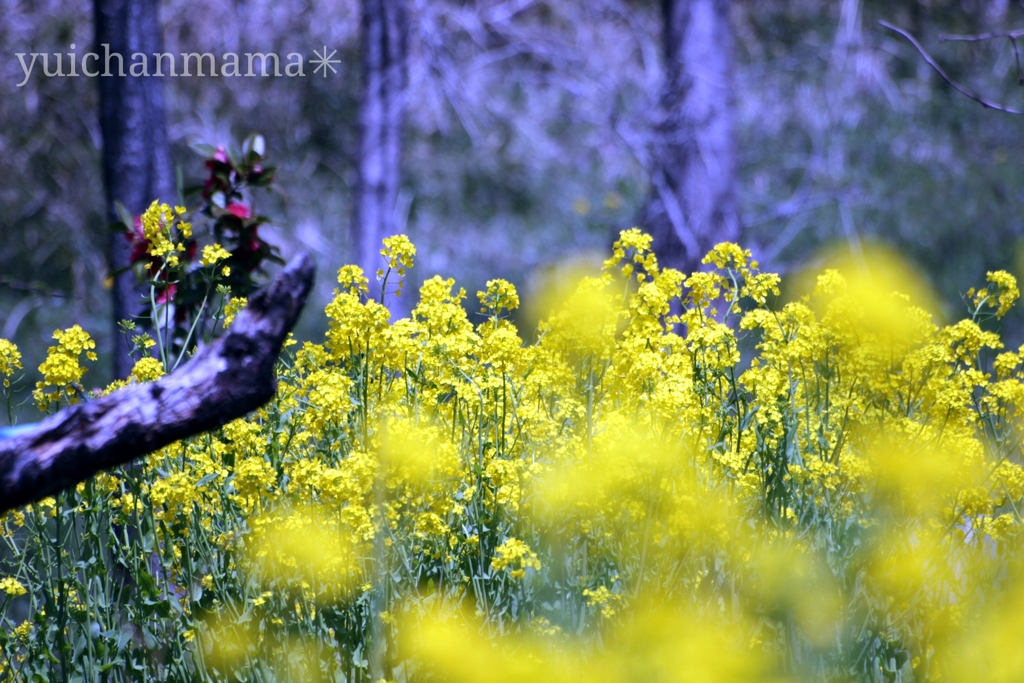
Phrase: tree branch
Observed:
(224, 381)
(1012, 36)
(963, 90)
(30, 288)
(975, 38)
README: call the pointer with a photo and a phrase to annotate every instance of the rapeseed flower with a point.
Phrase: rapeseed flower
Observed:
(62, 368)
(684, 477)
(10, 361)
(212, 253)
(12, 587)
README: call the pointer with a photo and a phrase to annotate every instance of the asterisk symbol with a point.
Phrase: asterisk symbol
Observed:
(325, 61)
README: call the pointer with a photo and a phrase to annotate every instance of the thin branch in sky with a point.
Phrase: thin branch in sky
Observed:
(31, 288)
(963, 90)
(1012, 36)
(978, 37)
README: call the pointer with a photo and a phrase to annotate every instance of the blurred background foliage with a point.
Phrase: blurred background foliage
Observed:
(525, 137)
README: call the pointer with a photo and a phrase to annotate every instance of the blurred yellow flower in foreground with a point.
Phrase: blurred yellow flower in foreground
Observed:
(661, 641)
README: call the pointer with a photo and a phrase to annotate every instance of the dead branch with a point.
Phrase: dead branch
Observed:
(978, 37)
(963, 90)
(1012, 36)
(31, 288)
(224, 381)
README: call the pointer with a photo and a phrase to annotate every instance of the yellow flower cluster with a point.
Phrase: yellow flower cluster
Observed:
(12, 587)
(10, 361)
(632, 249)
(500, 296)
(711, 478)
(147, 370)
(232, 308)
(61, 370)
(1002, 299)
(515, 555)
(604, 599)
(399, 252)
(158, 227)
(212, 253)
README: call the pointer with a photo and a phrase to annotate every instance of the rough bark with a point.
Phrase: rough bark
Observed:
(691, 204)
(224, 380)
(384, 46)
(136, 154)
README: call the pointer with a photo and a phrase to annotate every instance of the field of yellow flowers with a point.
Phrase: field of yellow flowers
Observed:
(718, 488)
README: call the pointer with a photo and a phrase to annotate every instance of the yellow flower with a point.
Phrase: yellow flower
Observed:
(515, 555)
(728, 255)
(234, 305)
(352, 279)
(604, 599)
(157, 226)
(61, 368)
(633, 248)
(12, 587)
(10, 360)
(22, 631)
(144, 341)
(262, 599)
(500, 296)
(147, 370)
(760, 286)
(1007, 290)
(212, 253)
(399, 253)
(696, 500)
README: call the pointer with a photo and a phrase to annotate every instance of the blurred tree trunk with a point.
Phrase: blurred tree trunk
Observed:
(691, 203)
(383, 45)
(136, 154)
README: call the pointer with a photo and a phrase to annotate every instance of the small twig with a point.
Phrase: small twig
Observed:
(31, 288)
(977, 38)
(1012, 36)
(963, 90)
(1016, 57)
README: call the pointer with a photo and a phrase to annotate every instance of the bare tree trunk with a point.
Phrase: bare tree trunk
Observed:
(136, 155)
(383, 44)
(691, 205)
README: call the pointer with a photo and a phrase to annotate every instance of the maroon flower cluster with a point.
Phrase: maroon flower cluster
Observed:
(234, 224)
(226, 201)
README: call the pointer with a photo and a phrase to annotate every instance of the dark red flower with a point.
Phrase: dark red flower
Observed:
(254, 239)
(238, 209)
(137, 239)
(167, 294)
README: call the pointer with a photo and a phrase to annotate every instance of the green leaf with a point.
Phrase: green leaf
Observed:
(126, 216)
(207, 479)
(203, 149)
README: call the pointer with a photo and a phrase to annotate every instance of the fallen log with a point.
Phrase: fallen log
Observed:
(223, 381)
